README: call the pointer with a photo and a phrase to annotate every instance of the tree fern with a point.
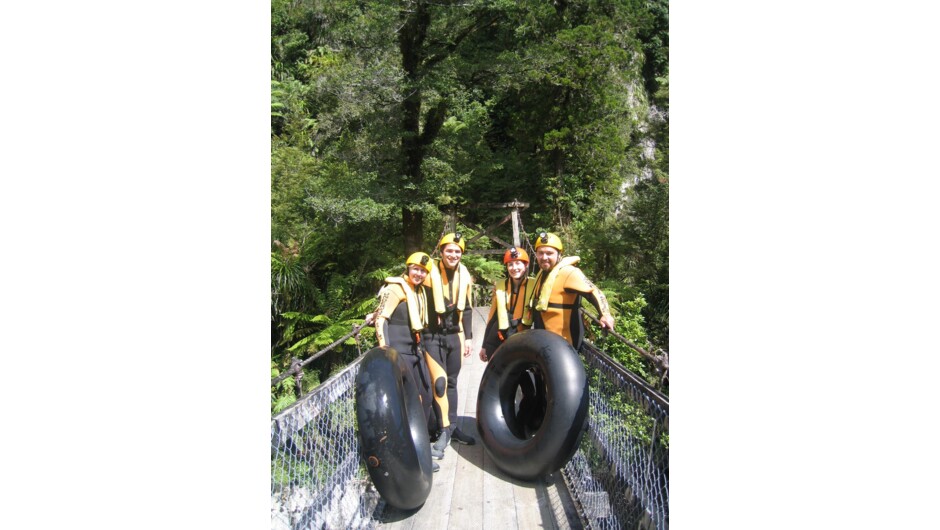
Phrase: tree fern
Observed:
(310, 333)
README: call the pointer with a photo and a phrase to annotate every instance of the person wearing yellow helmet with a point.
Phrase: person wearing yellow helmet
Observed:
(559, 287)
(455, 238)
(401, 319)
(510, 302)
(549, 239)
(450, 327)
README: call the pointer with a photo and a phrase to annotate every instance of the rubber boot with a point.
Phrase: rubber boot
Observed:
(441, 444)
(463, 437)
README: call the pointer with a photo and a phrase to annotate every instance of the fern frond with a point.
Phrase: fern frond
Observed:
(304, 317)
(330, 334)
(284, 401)
(302, 343)
(358, 310)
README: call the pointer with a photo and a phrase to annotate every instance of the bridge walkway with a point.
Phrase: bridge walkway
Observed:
(469, 491)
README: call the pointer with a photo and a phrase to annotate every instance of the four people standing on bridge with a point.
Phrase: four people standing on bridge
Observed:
(450, 330)
(434, 327)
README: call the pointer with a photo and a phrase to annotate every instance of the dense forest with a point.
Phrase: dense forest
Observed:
(391, 120)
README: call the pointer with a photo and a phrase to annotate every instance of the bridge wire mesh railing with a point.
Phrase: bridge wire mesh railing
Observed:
(619, 477)
(316, 477)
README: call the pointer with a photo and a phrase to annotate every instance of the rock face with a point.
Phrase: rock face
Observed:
(349, 505)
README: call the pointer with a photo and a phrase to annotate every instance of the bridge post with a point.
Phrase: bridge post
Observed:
(298, 370)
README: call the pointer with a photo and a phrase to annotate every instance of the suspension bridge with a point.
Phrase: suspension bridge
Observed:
(618, 478)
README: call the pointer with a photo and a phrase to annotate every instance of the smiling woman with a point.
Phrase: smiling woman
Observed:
(401, 317)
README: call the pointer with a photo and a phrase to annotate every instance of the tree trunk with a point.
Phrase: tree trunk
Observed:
(412, 223)
(410, 40)
(412, 156)
(414, 140)
(562, 219)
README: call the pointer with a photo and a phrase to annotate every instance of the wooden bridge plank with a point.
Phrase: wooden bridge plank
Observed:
(563, 512)
(467, 500)
(499, 505)
(528, 514)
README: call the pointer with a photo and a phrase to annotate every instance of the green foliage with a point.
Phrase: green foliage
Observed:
(283, 398)
(485, 271)
(309, 333)
(647, 253)
(290, 119)
(289, 286)
(630, 325)
(283, 394)
(297, 472)
(384, 119)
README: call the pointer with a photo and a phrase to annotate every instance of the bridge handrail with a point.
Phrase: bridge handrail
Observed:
(619, 477)
(296, 367)
(660, 361)
(317, 478)
(645, 393)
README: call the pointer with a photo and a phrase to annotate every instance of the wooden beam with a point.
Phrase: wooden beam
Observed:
(486, 231)
(491, 236)
(484, 252)
(513, 204)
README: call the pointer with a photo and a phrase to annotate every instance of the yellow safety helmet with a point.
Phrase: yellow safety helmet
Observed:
(548, 239)
(516, 253)
(421, 259)
(456, 239)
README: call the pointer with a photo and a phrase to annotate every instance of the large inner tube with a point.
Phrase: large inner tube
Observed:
(393, 433)
(527, 443)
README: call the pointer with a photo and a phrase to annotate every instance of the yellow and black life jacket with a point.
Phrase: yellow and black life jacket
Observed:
(417, 316)
(503, 295)
(439, 285)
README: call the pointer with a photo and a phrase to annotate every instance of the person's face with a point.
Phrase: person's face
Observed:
(416, 274)
(516, 269)
(450, 255)
(547, 257)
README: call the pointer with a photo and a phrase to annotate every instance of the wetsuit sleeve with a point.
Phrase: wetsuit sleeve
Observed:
(490, 338)
(389, 298)
(492, 305)
(468, 323)
(468, 314)
(578, 282)
(599, 301)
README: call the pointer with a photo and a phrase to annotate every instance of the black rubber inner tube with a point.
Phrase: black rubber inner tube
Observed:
(393, 433)
(538, 434)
